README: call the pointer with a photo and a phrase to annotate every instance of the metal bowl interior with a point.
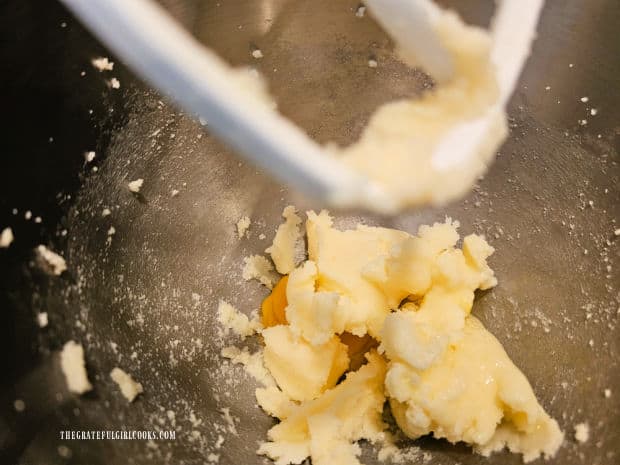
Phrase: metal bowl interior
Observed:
(145, 298)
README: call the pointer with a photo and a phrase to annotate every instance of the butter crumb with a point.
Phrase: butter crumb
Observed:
(253, 363)
(42, 320)
(6, 238)
(74, 368)
(135, 186)
(242, 226)
(233, 320)
(259, 268)
(19, 405)
(129, 388)
(102, 64)
(283, 251)
(582, 432)
(52, 260)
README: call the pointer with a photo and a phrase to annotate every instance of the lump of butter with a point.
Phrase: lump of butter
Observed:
(326, 428)
(341, 257)
(472, 392)
(285, 355)
(284, 246)
(314, 315)
(404, 301)
(419, 338)
(397, 148)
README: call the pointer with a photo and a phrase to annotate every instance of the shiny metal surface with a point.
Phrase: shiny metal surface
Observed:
(549, 205)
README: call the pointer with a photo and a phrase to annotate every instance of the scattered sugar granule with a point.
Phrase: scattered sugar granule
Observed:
(397, 455)
(361, 11)
(115, 83)
(28, 214)
(584, 99)
(19, 405)
(548, 88)
(111, 231)
(607, 393)
(233, 320)
(42, 319)
(136, 185)
(129, 388)
(106, 212)
(38, 219)
(89, 156)
(242, 226)
(6, 237)
(174, 193)
(593, 111)
(259, 268)
(372, 63)
(229, 421)
(257, 53)
(262, 236)
(102, 64)
(582, 432)
(55, 262)
(74, 368)
(617, 232)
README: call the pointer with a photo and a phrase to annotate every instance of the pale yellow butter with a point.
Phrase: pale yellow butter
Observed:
(442, 372)
(470, 390)
(285, 243)
(326, 427)
(397, 148)
(302, 370)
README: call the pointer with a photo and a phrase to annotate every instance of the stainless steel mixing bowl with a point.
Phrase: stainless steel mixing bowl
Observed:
(145, 298)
